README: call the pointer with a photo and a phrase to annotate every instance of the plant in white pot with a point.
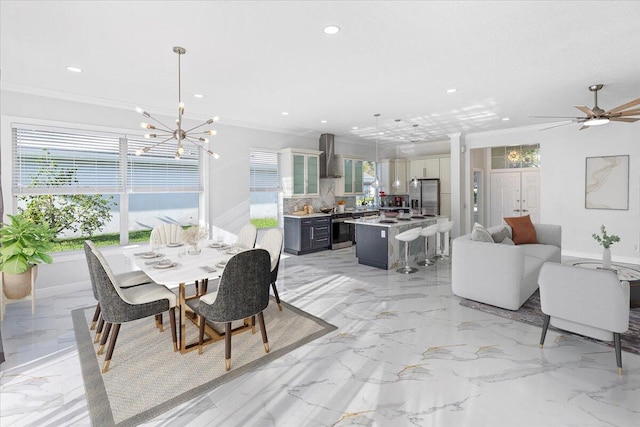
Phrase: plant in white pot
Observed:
(24, 245)
(606, 241)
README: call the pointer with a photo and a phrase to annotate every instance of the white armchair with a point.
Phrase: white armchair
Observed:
(588, 302)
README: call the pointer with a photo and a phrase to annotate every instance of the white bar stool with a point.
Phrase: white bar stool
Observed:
(406, 237)
(443, 239)
(427, 232)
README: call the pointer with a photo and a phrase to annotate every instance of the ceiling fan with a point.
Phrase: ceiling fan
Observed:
(598, 116)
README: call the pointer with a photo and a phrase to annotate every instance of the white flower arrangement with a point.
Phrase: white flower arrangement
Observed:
(193, 235)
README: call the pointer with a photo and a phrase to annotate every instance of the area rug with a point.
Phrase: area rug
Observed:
(146, 377)
(531, 313)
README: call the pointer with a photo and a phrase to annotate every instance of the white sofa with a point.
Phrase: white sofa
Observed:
(499, 274)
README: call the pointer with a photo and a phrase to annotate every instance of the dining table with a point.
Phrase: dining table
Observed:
(176, 266)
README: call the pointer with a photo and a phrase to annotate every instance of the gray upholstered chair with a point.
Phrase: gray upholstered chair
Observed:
(588, 302)
(247, 237)
(272, 242)
(120, 305)
(124, 280)
(243, 292)
(166, 233)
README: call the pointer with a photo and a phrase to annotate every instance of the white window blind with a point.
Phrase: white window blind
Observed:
(64, 161)
(265, 173)
(50, 161)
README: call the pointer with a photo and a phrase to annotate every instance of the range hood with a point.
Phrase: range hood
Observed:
(328, 163)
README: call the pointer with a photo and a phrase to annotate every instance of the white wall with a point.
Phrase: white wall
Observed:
(563, 152)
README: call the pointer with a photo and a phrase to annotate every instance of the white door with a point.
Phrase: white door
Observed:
(515, 194)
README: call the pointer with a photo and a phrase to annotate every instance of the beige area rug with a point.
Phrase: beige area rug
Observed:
(146, 377)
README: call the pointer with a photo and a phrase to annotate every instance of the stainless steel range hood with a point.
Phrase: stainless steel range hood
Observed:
(328, 163)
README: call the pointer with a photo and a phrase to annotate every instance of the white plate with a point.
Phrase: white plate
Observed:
(233, 251)
(149, 255)
(174, 245)
(215, 245)
(221, 264)
(164, 266)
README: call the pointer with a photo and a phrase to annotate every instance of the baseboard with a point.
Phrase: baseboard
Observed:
(598, 257)
(62, 289)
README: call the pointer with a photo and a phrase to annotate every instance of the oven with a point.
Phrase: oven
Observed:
(341, 232)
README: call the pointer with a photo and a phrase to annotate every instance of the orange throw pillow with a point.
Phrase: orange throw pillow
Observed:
(523, 230)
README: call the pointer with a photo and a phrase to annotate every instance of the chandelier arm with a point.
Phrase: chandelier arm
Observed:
(203, 148)
(160, 123)
(159, 143)
(208, 122)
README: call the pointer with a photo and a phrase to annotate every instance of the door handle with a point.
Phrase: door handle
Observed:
(311, 233)
(524, 210)
(516, 210)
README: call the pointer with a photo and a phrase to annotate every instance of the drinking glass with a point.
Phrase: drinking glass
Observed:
(155, 244)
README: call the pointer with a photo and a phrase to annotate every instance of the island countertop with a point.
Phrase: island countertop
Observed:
(395, 222)
(313, 215)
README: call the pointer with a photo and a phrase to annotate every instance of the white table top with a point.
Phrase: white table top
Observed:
(189, 268)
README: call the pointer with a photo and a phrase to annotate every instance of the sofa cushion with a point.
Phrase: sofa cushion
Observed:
(480, 234)
(499, 236)
(507, 241)
(522, 228)
(542, 252)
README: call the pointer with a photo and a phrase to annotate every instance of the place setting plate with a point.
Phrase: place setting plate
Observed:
(165, 264)
(216, 245)
(174, 245)
(151, 255)
(221, 264)
(233, 251)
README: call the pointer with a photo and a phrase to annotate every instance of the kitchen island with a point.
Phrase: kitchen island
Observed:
(377, 246)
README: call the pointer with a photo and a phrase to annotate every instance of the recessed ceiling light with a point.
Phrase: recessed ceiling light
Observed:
(331, 29)
(284, 113)
(505, 119)
(323, 121)
(74, 69)
(452, 90)
(355, 128)
(198, 95)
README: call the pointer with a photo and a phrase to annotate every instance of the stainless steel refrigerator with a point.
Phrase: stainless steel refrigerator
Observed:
(425, 197)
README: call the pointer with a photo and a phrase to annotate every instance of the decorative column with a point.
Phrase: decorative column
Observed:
(458, 187)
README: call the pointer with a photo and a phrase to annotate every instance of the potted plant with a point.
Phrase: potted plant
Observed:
(606, 241)
(24, 245)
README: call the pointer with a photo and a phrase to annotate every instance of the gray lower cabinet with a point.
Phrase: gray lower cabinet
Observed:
(372, 248)
(306, 235)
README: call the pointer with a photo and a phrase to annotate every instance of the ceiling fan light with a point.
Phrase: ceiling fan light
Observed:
(596, 121)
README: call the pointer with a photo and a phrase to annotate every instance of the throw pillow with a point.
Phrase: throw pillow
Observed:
(480, 234)
(507, 241)
(523, 230)
(500, 235)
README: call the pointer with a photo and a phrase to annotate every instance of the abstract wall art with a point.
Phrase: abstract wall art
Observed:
(607, 183)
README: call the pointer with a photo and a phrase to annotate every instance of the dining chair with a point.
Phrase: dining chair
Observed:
(124, 280)
(272, 241)
(166, 233)
(120, 305)
(243, 292)
(247, 237)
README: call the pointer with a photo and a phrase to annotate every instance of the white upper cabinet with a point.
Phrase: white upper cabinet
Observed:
(350, 170)
(300, 172)
(390, 169)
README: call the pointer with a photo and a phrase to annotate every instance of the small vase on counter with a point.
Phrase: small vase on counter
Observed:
(340, 209)
(606, 258)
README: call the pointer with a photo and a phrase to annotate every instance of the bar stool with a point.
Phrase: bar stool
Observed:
(443, 237)
(426, 233)
(406, 237)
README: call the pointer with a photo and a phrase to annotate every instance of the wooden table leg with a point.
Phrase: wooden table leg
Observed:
(182, 302)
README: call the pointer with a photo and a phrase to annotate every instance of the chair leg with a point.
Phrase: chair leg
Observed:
(174, 335)
(253, 325)
(545, 326)
(96, 315)
(263, 329)
(112, 344)
(616, 339)
(227, 346)
(275, 293)
(103, 340)
(99, 329)
(202, 321)
(159, 322)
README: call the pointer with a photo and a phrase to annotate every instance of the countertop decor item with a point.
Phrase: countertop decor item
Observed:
(606, 241)
(179, 134)
(192, 236)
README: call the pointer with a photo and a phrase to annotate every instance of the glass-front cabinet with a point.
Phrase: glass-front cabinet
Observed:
(351, 181)
(300, 172)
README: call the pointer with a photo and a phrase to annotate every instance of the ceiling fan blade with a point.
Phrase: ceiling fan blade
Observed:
(584, 127)
(624, 119)
(627, 113)
(624, 106)
(585, 110)
(556, 126)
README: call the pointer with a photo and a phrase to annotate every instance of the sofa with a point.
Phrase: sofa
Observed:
(499, 274)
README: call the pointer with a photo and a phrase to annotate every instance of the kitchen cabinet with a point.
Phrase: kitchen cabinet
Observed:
(306, 235)
(350, 170)
(300, 172)
(389, 170)
(445, 204)
(445, 175)
(424, 168)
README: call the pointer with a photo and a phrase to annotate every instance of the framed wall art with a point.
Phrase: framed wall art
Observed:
(607, 183)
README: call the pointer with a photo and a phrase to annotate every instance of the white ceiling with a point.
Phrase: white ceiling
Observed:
(254, 60)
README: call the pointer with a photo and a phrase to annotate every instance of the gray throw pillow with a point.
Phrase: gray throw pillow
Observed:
(480, 234)
(501, 235)
(508, 241)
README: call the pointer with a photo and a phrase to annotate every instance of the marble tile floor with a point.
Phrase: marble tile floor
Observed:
(405, 354)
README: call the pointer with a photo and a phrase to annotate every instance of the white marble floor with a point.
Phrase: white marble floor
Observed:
(405, 354)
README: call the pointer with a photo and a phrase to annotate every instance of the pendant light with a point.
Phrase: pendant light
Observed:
(397, 183)
(414, 181)
(376, 182)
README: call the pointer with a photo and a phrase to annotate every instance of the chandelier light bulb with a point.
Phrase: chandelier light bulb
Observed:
(139, 152)
(150, 135)
(216, 156)
(215, 119)
(139, 110)
(205, 140)
(180, 150)
(181, 105)
(211, 132)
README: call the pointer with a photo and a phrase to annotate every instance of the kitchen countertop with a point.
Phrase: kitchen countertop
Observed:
(376, 222)
(313, 215)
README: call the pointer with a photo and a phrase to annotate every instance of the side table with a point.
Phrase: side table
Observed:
(630, 274)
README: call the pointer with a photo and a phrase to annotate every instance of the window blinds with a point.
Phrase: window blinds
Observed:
(265, 173)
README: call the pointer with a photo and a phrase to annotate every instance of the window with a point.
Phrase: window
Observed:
(515, 157)
(264, 192)
(91, 183)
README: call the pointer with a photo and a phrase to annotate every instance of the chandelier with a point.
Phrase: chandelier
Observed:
(163, 131)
